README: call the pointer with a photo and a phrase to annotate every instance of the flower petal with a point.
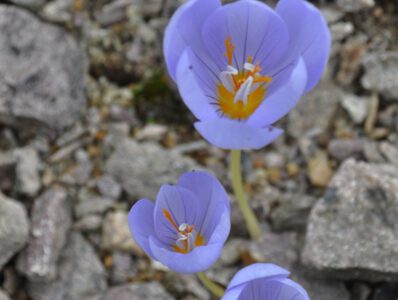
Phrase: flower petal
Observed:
(233, 293)
(229, 134)
(140, 221)
(220, 232)
(283, 100)
(309, 36)
(198, 260)
(214, 204)
(191, 92)
(283, 288)
(255, 29)
(184, 29)
(181, 205)
(255, 271)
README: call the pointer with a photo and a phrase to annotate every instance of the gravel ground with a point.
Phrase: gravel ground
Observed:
(90, 123)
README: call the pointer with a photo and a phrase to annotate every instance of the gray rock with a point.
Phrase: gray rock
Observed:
(32, 4)
(341, 30)
(42, 72)
(291, 211)
(321, 104)
(82, 274)
(274, 248)
(352, 232)
(114, 12)
(319, 289)
(342, 149)
(8, 164)
(381, 74)
(3, 296)
(360, 291)
(151, 8)
(51, 220)
(27, 171)
(89, 223)
(109, 187)
(331, 14)
(387, 291)
(390, 151)
(123, 268)
(59, 11)
(351, 57)
(94, 205)
(356, 107)
(138, 291)
(179, 285)
(355, 5)
(372, 152)
(14, 228)
(143, 168)
(116, 235)
(231, 252)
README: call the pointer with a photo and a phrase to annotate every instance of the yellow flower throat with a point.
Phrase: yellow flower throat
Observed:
(240, 92)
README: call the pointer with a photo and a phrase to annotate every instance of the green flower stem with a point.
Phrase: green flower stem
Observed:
(251, 221)
(213, 287)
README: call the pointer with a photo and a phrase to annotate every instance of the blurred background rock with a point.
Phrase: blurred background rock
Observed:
(90, 122)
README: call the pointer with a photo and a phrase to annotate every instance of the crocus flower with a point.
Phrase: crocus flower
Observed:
(187, 226)
(240, 67)
(264, 282)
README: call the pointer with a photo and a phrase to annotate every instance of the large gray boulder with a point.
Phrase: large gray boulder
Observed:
(14, 228)
(353, 231)
(42, 71)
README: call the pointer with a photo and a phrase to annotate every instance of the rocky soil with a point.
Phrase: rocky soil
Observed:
(90, 123)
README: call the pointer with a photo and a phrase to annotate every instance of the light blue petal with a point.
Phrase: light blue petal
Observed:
(198, 260)
(254, 28)
(214, 204)
(256, 271)
(191, 92)
(283, 100)
(309, 36)
(184, 30)
(140, 221)
(230, 134)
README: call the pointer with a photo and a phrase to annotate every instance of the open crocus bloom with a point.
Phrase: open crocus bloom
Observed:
(264, 282)
(187, 226)
(242, 66)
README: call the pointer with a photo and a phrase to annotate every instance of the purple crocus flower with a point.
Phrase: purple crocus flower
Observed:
(240, 67)
(187, 226)
(264, 282)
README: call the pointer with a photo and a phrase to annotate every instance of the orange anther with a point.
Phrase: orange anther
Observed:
(262, 79)
(230, 48)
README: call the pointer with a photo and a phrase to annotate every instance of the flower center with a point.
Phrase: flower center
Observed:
(240, 92)
(187, 237)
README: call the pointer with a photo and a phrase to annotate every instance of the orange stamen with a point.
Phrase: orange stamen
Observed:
(230, 48)
(169, 218)
(262, 79)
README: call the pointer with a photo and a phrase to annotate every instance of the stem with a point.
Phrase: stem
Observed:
(213, 287)
(252, 224)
